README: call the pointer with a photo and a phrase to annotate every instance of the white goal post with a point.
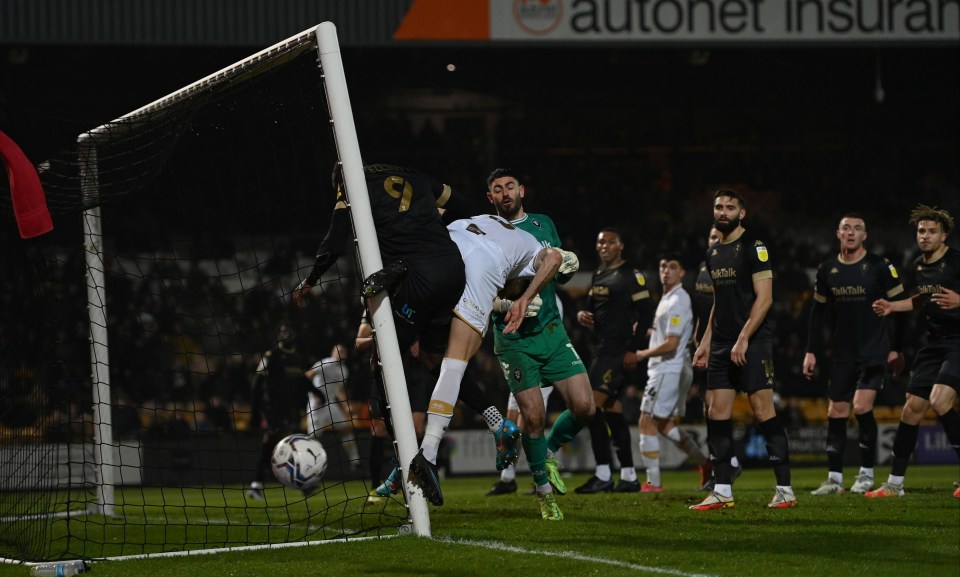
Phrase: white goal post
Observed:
(345, 132)
(324, 38)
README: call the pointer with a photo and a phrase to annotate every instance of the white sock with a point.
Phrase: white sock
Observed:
(447, 389)
(836, 476)
(786, 489)
(628, 474)
(723, 490)
(674, 435)
(895, 479)
(349, 442)
(544, 489)
(868, 471)
(650, 453)
(508, 474)
(442, 402)
(603, 473)
(493, 418)
(433, 435)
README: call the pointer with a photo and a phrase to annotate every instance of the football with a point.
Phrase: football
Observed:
(299, 462)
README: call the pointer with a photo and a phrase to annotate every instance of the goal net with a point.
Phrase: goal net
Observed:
(131, 334)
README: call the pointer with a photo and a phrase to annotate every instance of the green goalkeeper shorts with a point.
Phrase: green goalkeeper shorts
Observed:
(543, 358)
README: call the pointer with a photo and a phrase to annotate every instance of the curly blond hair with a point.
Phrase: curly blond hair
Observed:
(924, 212)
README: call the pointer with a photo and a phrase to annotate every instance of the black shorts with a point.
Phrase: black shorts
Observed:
(938, 363)
(606, 375)
(417, 390)
(417, 379)
(848, 378)
(423, 302)
(434, 335)
(754, 376)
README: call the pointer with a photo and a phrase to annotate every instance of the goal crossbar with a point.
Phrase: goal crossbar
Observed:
(323, 38)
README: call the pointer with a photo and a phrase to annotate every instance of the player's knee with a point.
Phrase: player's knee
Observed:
(913, 410)
(942, 398)
(838, 410)
(533, 423)
(583, 412)
(940, 405)
(646, 422)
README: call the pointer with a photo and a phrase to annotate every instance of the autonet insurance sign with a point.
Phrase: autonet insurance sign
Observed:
(685, 21)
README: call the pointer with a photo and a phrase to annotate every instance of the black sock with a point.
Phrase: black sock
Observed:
(903, 445)
(836, 443)
(620, 435)
(951, 426)
(778, 450)
(600, 438)
(868, 439)
(720, 439)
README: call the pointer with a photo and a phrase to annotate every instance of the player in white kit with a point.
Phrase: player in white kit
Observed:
(327, 406)
(493, 251)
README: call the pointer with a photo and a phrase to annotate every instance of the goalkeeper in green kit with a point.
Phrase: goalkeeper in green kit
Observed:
(540, 353)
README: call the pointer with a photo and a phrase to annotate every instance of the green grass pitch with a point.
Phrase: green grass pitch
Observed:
(621, 534)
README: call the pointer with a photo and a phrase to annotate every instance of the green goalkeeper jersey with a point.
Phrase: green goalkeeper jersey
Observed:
(543, 229)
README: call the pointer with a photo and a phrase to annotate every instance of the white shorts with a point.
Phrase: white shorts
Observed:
(666, 395)
(544, 392)
(485, 276)
(320, 417)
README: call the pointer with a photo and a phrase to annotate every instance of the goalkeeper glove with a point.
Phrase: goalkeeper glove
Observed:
(570, 264)
(503, 305)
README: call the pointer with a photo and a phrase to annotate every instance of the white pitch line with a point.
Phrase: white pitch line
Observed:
(575, 556)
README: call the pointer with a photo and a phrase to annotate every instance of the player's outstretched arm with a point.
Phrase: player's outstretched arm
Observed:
(333, 245)
(547, 264)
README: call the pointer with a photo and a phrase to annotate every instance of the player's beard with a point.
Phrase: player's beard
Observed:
(510, 213)
(727, 227)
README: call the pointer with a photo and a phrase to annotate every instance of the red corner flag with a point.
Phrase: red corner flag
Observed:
(29, 202)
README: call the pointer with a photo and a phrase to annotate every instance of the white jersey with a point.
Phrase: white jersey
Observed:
(493, 251)
(323, 407)
(330, 378)
(674, 317)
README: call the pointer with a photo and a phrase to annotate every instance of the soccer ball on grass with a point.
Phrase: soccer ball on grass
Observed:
(299, 462)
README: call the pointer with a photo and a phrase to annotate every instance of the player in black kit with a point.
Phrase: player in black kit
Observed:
(701, 299)
(935, 377)
(279, 391)
(739, 346)
(412, 236)
(702, 295)
(619, 301)
(846, 286)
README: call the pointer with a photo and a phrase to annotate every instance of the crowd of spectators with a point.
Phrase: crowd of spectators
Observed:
(182, 338)
(183, 349)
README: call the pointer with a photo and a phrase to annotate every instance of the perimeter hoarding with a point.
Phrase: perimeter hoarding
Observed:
(684, 21)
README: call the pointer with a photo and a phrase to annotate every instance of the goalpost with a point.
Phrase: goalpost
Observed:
(199, 214)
